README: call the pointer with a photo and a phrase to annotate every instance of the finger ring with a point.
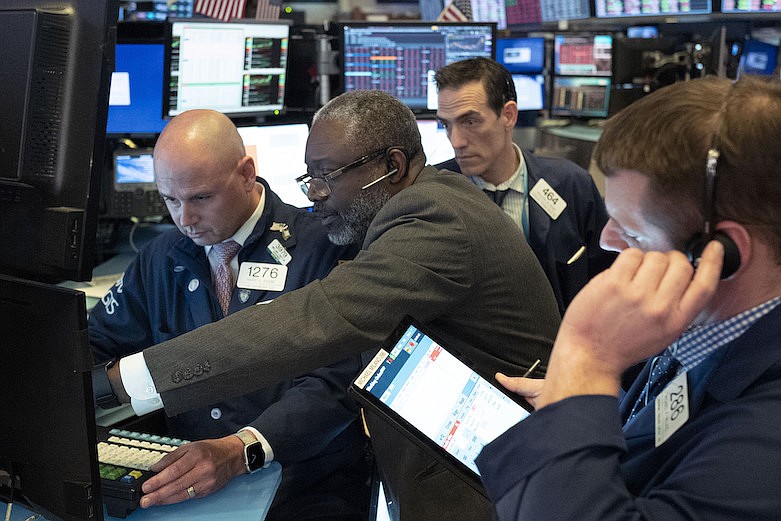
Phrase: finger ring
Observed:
(190, 492)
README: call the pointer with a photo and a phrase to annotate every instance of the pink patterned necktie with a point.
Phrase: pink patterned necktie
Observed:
(223, 277)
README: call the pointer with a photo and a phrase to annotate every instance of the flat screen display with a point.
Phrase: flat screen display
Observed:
(235, 68)
(135, 104)
(521, 55)
(530, 91)
(580, 97)
(437, 398)
(621, 8)
(279, 151)
(133, 168)
(582, 54)
(758, 57)
(401, 58)
(750, 6)
(436, 144)
(535, 11)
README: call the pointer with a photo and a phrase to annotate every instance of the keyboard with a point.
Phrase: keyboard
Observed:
(124, 458)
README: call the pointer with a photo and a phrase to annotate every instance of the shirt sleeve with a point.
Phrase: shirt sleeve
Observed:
(139, 385)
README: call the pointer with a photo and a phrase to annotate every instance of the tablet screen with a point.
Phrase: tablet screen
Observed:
(439, 395)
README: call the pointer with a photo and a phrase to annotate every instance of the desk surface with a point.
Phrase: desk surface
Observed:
(246, 498)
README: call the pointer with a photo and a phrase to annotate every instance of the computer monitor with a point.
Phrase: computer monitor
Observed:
(623, 8)
(155, 10)
(436, 144)
(48, 446)
(530, 91)
(521, 55)
(642, 31)
(582, 54)
(279, 152)
(742, 6)
(400, 58)
(580, 97)
(758, 57)
(238, 68)
(136, 98)
(489, 11)
(56, 63)
(520, 12)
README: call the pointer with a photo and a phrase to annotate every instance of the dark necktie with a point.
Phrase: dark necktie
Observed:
(223, 277)
(497, 195)
(665, 368)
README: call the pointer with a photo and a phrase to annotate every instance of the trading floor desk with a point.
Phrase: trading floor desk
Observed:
(245, 498)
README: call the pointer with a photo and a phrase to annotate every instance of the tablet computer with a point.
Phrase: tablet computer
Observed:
(431, 393)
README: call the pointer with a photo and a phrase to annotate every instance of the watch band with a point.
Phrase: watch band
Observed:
(104, 394)
(254, 455)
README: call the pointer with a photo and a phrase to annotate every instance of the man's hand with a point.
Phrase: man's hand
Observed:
(206, 466)
(529, 388)
(627, 313)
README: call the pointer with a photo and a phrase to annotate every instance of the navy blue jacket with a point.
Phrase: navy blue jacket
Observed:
(167, 290)
(580, 224)
(571, 459)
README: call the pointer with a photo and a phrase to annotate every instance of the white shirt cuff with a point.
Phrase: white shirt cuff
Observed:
(139, 385)
(269, 452)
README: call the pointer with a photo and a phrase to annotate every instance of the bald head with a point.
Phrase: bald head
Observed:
(205, 176)
(202, 135)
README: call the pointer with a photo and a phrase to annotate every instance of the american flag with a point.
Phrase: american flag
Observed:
(221, 9)
(456, 11)
(268, 10)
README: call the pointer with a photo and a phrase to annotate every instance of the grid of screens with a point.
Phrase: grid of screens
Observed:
(279, 151)
(619, 8)
(235, 68)
(534, 11)
(136, 96)
(750, 6)
(582, 68)
(521, 55)
(401, 58)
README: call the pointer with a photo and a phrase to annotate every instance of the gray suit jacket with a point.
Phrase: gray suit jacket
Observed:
(439, 251)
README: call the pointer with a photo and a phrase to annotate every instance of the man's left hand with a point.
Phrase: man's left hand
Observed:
(206, 466)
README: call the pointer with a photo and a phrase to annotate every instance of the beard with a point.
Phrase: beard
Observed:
(351, 226)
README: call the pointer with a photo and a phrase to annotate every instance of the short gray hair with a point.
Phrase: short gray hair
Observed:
(372, 120)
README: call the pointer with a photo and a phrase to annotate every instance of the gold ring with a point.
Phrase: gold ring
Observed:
(190, 492)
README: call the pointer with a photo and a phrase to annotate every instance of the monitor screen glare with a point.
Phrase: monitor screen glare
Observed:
(530, 91)
(236, 68)
(278, 151)
(436, 144)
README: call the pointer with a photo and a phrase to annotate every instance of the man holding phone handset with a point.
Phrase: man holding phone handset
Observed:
(704, 446)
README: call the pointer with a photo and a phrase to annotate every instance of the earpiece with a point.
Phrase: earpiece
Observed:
(391, 172)
(696, 245)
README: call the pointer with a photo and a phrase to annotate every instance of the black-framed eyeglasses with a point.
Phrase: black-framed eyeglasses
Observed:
(319, 185)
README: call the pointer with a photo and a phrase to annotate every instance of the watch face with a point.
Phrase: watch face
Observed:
(255, 456)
